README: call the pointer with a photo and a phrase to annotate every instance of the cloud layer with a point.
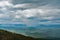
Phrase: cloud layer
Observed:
(31, 13)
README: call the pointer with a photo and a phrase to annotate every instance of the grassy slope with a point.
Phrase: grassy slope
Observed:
(5, 35)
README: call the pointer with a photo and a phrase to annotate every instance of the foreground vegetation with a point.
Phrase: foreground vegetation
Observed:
(5, 35)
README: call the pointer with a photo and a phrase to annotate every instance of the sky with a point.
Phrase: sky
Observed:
(36, 18)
